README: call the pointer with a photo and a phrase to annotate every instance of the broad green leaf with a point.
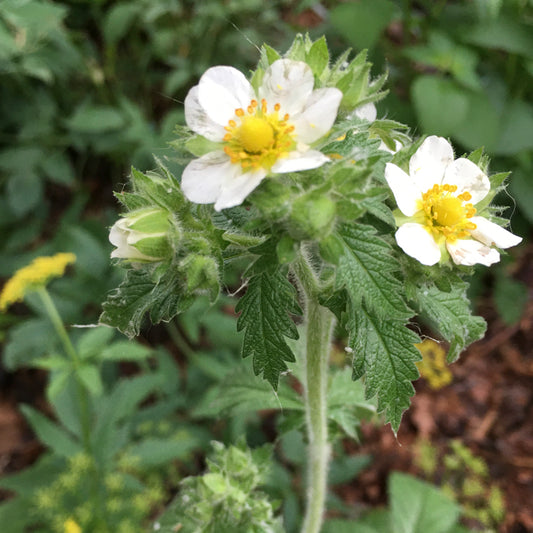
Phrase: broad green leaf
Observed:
(384, 351)
(118, 21)
(418, 507)
(27, 341)
(24, 191)
(347, 467)
(95, 119)
(265, 319)
(450, 314)
(517, 126)
(242, 392)
(481, 124)
(93, 341)
(510, 297)
(139, 295)
(90, 377)
(440, 105)
(14, 515)
(152, 452)
(126, 351)
(50, 434)
(503, 33)
(521, 186)
(365, 267)
(26, 481)
(362, 22)
(58, 382)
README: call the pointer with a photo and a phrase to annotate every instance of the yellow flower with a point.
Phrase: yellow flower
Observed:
(33, 276)
(72, 527)
(433, 365)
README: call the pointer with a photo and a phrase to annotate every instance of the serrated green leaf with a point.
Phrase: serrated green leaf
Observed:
(265, 318)
(418, 507)
(366, 269)
(50, 434)
(384, 351)
(450, 314)
(139, 295)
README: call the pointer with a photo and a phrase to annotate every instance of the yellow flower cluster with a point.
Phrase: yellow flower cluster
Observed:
(72, 527)
(433, 365)
(33, 276)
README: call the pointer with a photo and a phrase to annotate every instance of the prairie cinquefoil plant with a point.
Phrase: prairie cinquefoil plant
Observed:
(290, 181)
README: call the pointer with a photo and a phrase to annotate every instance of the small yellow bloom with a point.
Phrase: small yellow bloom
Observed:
(72, 527)
(33, 276)
(433, 365)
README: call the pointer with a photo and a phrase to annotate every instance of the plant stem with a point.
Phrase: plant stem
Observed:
(57, 322)
(319, 328)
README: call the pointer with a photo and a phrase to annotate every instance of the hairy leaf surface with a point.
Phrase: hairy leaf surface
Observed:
(265, 319)
(384, 350)
(450, 314)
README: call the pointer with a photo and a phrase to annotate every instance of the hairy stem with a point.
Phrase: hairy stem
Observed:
(319, 328)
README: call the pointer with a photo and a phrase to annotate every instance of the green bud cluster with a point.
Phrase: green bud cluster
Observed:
(226, 498)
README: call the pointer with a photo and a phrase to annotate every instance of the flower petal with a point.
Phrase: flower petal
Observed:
(235, 189)
(417, 242)
(203, 178)
(222, 90)
(119, 237)
(470, 252)
(429, 162)
(491, 234)
(295, 161)
(288, 83)
(366, 112)
(405, 191)
(318, 115)
(198, 120)
(468, 177)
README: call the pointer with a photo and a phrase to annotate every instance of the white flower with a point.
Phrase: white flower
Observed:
(141, 236)
(263, 133)
(438, 197)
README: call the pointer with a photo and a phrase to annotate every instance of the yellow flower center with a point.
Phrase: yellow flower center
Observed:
(256, 138)
(447, 214)
(255, 134)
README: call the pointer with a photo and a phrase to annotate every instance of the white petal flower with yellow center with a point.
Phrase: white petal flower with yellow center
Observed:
(438, 198)
(259, 134)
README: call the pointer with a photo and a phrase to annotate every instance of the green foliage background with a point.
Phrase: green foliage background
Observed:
(90, 87)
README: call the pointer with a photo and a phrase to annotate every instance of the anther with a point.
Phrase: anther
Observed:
(277, 107)
(239, 112)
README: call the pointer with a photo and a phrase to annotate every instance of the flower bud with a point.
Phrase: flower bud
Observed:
(141, 236)
(312, 217)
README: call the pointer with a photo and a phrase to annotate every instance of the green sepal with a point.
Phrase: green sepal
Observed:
(154, 247)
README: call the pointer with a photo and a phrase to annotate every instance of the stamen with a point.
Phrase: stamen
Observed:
(257, 139)
(447, 214)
